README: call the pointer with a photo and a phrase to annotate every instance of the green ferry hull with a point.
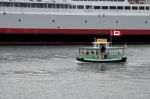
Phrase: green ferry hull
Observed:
(123, 59)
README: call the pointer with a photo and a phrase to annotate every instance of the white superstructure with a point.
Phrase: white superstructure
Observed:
(74, 16)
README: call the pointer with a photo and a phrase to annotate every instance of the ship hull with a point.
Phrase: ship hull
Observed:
(72, 28)
(68, 39)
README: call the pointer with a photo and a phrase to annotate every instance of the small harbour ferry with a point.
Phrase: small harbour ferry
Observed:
(102, 52)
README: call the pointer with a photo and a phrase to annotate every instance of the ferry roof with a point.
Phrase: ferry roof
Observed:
(95, 48)
(101, 42)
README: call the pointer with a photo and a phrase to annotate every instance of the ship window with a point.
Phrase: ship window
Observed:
(70, 6)
(127, 7)
(121, 0)
(23, 5)
(16, 4)
(74, 7)
(97, 7)
(45, 5)
(134, 8)
(141, 7)
(112, 7)
(62, 6)
(80, 7)
(104, 7)
(88, 7)
(39, 5)
(33, 5)
(57, 5)
(28, 4)
(5, 4)
(147, 8)
(51, 5)
(66, 6)
(120, 7)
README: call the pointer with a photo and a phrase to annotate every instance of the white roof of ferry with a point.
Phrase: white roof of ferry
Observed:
(101, 42)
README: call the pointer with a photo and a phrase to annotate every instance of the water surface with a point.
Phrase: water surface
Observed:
(51, 72)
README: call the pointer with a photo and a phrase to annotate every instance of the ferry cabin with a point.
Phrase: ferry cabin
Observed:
(94, 53)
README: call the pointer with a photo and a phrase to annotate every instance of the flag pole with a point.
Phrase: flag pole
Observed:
(111, 36)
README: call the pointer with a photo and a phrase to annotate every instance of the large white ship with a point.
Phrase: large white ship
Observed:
(73, 20)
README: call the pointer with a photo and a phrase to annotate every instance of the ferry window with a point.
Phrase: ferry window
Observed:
(141, 7)
(104, 7)
(112, 7)
(134, 8)
(147, 8)
(97, 7)
(127, 7)
(120, 7)
(80, 7)
(5, 4)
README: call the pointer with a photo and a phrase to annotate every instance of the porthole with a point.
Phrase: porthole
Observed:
(103, 15)
(19, 20)
(53, 20)
(146, 21)
(85, 21)
(4, 13)
(117, 21)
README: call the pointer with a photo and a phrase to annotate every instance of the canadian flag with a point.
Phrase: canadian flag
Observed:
(116, 33)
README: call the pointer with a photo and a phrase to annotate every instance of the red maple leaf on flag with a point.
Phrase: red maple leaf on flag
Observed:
(116, 33)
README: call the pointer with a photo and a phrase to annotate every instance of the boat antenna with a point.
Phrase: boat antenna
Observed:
(94, 39)
(111, 33)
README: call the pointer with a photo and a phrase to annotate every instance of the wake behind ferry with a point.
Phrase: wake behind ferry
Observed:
(73, 20)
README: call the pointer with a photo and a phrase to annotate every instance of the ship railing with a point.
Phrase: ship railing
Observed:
(21, 9)
(17, 9)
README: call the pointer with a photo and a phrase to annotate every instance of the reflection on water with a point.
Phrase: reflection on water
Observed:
(51, 72)
(100, 67)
